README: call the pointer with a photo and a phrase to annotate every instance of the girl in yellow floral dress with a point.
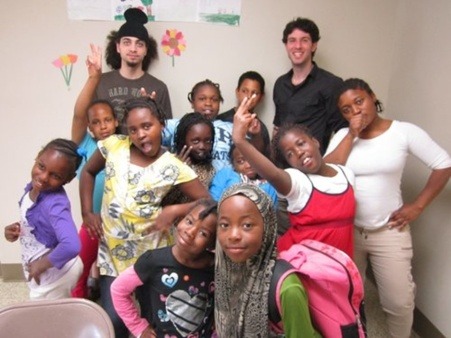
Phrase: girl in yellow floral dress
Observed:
(139, 172)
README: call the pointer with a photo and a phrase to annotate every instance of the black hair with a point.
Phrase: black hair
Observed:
(277, 154)
(206, 82)
(355, 83)
(305, 25)
(211, 207)
(186, 122)
(105, 102)
(67, 148)
(113, 58)
(252, 75)
(231, 150)
(144, 102)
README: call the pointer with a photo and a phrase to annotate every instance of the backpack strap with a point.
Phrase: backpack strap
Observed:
(281, 269)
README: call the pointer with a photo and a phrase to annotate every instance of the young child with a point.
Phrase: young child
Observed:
(193, 143)
(47, 231)
(205, 98)
(138, 174)
(245, 260)
(320, 196)
(101, 122)
(250, 83)
(174, 284)
(242, 172)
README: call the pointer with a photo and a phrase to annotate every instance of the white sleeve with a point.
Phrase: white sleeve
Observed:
(301, 189)
(422, 146)
(336, 139)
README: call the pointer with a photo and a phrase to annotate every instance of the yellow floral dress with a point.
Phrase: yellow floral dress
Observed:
(132, 201)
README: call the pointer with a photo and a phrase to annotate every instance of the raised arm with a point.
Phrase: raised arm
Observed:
(264, 167)
(340, 154)
(80, 118)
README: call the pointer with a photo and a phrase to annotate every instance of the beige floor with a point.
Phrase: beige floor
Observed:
(13, 292)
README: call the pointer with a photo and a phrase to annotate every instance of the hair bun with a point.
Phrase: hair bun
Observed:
(135, 15)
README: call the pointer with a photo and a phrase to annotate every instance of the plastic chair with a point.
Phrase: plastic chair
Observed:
(68, 318)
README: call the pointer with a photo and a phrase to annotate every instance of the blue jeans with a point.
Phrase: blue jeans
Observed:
(106, 302)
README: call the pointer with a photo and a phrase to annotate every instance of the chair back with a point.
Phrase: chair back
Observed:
(69, 318)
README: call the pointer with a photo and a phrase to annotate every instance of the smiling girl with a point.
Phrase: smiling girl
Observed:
(47, 231)
(245, 261)
(139, 172)
(320, 196)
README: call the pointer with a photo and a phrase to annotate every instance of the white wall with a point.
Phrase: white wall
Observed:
(418, 92)
(396, 45)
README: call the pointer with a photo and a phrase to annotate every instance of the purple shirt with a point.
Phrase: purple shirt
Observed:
(53, 225)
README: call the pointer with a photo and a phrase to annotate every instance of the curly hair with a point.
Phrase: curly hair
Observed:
(113, 59)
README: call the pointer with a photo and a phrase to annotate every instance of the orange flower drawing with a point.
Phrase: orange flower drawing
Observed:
(173, 43)
(65, 64)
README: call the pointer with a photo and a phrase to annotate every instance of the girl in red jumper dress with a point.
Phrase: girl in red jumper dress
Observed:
(320, 196)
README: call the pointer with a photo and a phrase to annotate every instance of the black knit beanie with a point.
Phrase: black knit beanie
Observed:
(134, 25)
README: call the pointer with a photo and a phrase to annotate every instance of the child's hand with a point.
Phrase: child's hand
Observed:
(162, 223)
(255, 127)
(184, 154)
(152, 95)
(94, 61)
(12, 232)
(93, 223)
(148, 333)
(242, 119)
(37, 267)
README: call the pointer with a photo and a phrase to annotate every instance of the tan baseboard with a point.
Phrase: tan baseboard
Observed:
(12, 272)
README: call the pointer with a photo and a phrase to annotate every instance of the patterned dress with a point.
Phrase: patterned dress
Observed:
(131, 203)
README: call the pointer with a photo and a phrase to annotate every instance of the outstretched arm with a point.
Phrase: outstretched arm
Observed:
(410, 211)
(80, 118)
(264, 167)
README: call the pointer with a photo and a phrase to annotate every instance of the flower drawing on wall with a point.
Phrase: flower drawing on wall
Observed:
(65, 64)
(173, 43)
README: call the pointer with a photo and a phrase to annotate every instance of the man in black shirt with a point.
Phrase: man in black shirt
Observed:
(305, 94)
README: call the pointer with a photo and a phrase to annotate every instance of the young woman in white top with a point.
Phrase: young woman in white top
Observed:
(376, 149)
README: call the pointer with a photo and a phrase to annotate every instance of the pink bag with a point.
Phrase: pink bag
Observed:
(333, 284)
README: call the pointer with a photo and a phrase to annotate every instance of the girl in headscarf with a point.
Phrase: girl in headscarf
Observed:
(245, 260)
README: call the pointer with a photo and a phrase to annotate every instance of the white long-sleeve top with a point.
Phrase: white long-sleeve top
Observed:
(378, 164)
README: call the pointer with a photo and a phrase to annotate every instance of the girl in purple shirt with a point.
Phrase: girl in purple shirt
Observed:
(47, 232)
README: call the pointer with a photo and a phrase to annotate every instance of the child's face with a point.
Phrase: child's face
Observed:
(241, 165)
(240, 228)
(301, 151)
(101, 121)
(50, 171)
(144, 130)
(195, 235)
(199, 137)
(207, 101)
(248, 88)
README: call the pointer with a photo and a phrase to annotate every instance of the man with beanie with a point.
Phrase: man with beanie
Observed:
(129, 53)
